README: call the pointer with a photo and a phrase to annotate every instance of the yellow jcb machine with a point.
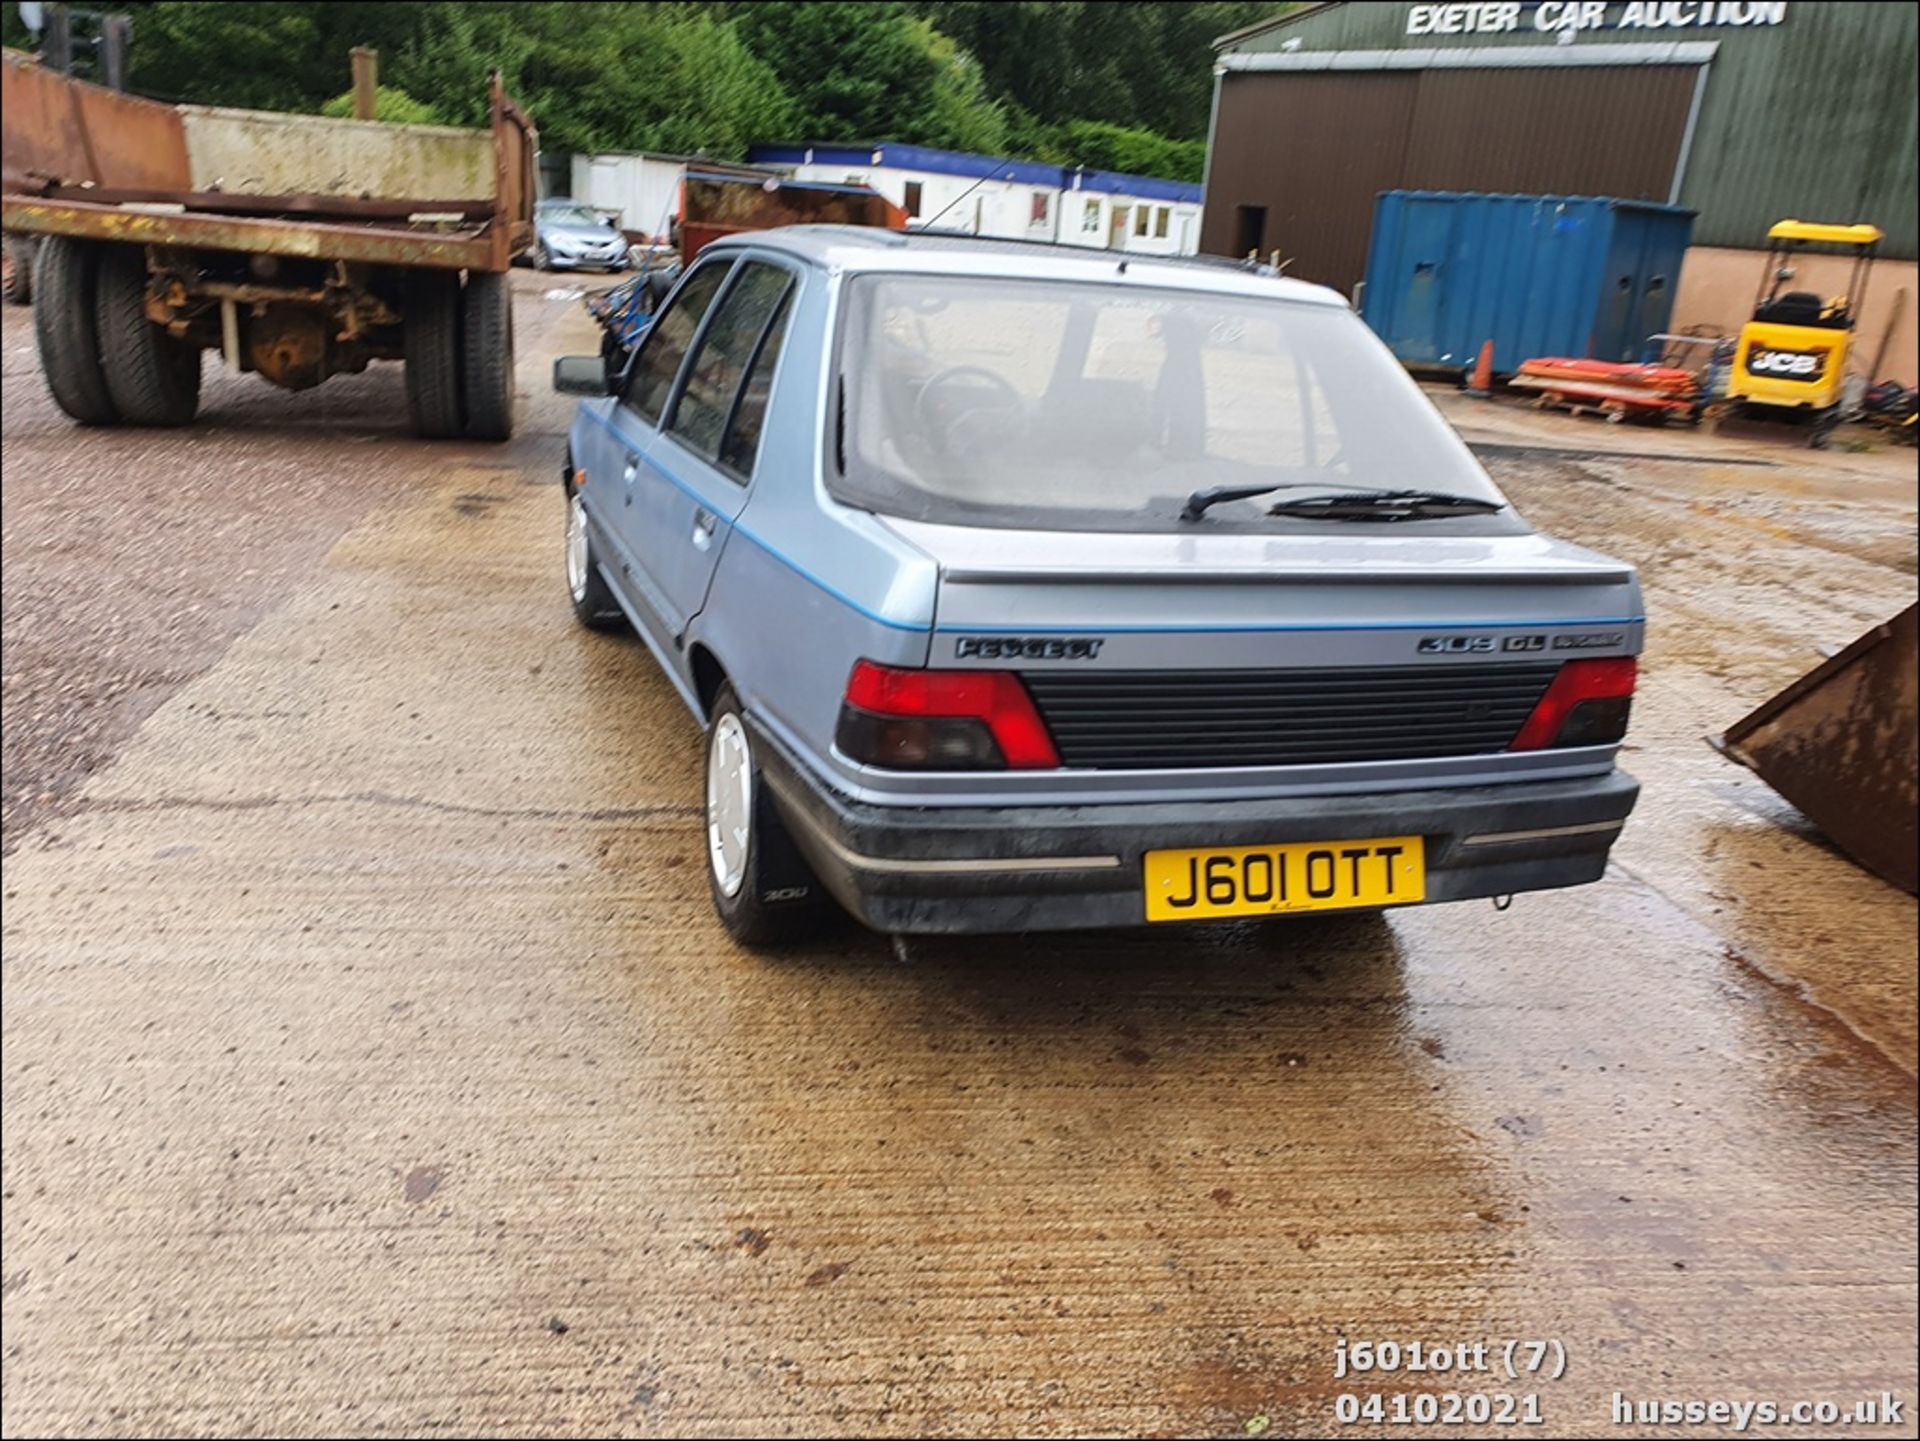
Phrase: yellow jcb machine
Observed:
(1792, 356)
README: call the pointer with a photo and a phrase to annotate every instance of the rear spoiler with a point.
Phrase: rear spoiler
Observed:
(1240, 575)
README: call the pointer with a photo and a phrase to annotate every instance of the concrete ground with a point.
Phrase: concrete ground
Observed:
(373, 1063)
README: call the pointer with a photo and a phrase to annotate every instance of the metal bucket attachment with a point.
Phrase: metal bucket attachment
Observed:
(1839, 743)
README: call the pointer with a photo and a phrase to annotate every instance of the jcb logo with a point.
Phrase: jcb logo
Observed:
(1789, 364)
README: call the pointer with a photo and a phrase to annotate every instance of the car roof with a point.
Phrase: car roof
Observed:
(857, 248)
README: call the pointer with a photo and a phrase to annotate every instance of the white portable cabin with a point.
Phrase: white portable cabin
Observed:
(1008, 199)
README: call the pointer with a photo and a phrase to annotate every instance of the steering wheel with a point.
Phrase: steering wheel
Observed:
(975, 392)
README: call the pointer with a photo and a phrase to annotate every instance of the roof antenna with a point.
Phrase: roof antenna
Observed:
(990, 175)
(1123, 267)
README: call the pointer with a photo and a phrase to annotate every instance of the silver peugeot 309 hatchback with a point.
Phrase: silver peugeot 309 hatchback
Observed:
(1025, 588)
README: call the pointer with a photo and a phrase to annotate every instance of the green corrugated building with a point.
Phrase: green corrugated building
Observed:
(1745, 112)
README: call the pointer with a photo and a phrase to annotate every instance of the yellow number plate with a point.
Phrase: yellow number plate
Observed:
(1272, 880)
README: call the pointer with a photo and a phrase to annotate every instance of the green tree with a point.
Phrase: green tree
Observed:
(960, 114)
(260, 56)
(704, 92)
(852, 69)
(389, 104)
(1100, 146)
(1117, 86)
(1145, 64)
(862, 70)
(599, 76)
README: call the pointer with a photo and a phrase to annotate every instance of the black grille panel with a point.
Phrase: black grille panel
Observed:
(1148, 719)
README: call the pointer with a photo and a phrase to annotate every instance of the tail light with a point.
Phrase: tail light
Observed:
(1586, 705)
(942, 720)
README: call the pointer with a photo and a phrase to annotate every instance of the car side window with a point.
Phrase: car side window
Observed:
(725, 352)
(742, 441)
(669, 337)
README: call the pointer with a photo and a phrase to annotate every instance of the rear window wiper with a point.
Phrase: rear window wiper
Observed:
(1358, 495)
(1385, 505)
(1200, 500)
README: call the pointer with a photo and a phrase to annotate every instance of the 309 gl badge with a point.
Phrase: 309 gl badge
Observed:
(1479, 644)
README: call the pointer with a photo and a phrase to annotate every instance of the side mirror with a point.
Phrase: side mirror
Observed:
(581, 375)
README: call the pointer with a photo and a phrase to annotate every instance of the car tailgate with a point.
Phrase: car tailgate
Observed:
(1046, 599)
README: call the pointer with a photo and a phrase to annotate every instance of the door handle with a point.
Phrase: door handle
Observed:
(703, 523)
(632, 470)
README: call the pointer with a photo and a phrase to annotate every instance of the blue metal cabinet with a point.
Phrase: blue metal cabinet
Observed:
(1535, 274)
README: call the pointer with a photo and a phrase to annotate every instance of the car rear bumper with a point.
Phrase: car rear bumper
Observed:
(979, 869)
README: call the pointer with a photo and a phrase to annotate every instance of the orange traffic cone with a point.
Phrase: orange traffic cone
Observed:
(1481, 385)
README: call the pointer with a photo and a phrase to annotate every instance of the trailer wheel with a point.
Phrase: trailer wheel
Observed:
(63, 277)
(153, 378)
(16, 269)
(431, 338)
(486, 355)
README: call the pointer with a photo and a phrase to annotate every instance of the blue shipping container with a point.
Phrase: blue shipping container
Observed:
(1535, 274)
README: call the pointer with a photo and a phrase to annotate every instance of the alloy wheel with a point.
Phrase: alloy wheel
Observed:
(729, 803)
(576, 548)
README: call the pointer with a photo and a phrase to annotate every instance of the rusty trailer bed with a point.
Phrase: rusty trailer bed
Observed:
(94, 164)
(462, 247)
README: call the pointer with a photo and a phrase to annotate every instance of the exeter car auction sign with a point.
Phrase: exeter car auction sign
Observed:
(1563, 17)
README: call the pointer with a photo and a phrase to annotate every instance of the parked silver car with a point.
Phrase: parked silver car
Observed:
(571, 236)
(1023, 588)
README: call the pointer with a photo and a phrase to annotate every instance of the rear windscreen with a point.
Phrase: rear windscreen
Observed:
(1048, 404)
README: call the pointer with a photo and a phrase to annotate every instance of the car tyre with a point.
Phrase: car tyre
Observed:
(431, 341)
(763, 890)
(64, 276)
(16, 269)
(153, 378)
(486, 356)
(542, 257)
(594, 605)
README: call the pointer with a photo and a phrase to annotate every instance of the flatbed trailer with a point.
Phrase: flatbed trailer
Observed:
(297, 246)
